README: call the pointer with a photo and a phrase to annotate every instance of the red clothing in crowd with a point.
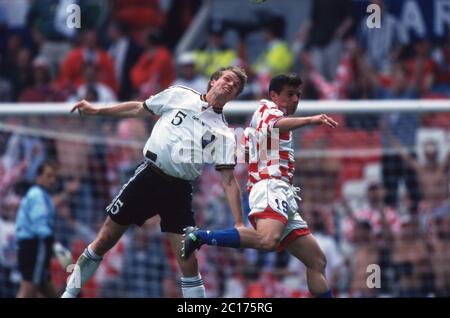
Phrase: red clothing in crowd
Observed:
(72, 68)
(138, 14)
(153, 72)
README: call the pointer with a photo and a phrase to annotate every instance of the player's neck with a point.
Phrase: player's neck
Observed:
(217, 102)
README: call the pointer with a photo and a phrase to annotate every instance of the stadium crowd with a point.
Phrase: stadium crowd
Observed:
(397, 217)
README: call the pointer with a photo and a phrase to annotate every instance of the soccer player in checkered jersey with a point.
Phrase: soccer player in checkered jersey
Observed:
(272, 196)
(190, 132)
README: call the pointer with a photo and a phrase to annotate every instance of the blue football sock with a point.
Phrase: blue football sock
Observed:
(326, 294)
(226, 238)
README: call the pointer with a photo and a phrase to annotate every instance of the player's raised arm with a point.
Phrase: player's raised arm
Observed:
(288, 124)
(126, 109)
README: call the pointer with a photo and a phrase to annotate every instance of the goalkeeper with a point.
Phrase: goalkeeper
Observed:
(34, 234)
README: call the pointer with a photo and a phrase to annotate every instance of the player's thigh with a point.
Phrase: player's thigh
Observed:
(307, 250)
(188, 266)
(269, 228)
(137, 199)
(176, 212)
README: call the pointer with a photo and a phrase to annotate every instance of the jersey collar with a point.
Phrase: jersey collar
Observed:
(203, 99)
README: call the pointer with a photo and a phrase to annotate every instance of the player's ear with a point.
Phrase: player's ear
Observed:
(272, 95)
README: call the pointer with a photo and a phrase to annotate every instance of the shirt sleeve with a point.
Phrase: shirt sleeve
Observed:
(225, 151)
(269, 118)
(156, 104)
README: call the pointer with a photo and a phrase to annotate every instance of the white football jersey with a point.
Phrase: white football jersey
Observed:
(188, 134)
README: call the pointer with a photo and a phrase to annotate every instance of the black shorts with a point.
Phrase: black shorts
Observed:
(34, 260)
(150, 192)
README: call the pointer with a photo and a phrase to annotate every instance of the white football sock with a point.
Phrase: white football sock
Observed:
(192, 287)
(85, 267)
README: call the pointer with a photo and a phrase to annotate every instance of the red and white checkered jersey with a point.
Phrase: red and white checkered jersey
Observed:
(270, 152)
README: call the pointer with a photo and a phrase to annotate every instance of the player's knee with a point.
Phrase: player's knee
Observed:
(320, 262)
(269, 243)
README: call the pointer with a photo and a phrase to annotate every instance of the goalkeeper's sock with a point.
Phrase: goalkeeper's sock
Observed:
(85, 267)
(225, 238)
(192, 287)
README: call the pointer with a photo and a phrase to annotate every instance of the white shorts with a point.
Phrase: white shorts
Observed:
(275, 199)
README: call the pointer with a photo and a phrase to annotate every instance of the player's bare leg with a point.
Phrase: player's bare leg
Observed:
(308, 251)
(27, 290)
(266, 237)
(48, 290)
(89, 261)
(191, 282)
(108, 236)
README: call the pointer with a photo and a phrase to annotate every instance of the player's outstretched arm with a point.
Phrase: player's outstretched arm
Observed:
(287, 124)
(126, 109)
(233, 194)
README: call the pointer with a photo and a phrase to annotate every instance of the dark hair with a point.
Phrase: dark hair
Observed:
(240, 73)
(42, 166)
(280, 81)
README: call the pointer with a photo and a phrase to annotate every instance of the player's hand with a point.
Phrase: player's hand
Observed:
(84, 108)
(324, 120)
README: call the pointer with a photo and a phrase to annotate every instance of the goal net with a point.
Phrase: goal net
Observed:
(375, 193)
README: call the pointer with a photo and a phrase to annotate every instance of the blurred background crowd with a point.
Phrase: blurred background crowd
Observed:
(375, 191)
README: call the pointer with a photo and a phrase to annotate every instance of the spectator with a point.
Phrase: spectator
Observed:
(89, 52)
(19, 71)
(216, 53)
(180, 14)
(440, 256)
(383, 219)
(329, 23)
(364, 254)
(277, 57)
(421, 67)
(381, 45)
(188, 75)
(9, 277)
(154, 71)
(125, 53)
(441, 57)
(25, 153)
(409, 254)
(402, 126)
(92, 89)
(41, 90)
(52, 36)
(433, 178)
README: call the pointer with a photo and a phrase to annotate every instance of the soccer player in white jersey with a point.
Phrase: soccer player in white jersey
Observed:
(272, 196)
(190, 132)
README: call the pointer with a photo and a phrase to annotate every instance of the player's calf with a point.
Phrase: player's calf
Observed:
(85, 267)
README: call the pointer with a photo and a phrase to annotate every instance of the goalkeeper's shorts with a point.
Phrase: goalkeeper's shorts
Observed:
(34, 257)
